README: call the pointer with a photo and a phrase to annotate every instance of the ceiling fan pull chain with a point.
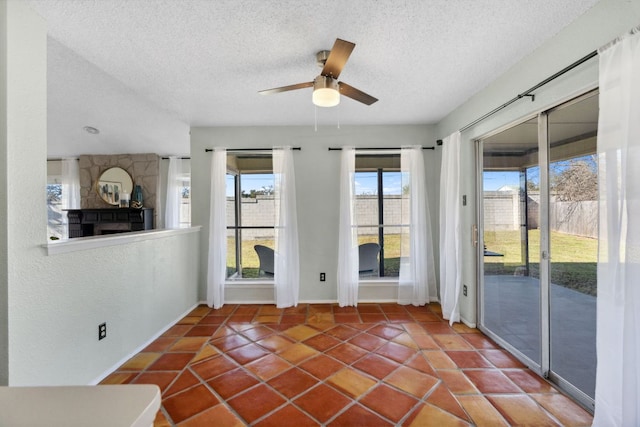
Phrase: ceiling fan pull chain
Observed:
(315, 109)
(338, 116)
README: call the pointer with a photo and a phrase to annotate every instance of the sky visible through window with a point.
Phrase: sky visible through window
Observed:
(367, 183)
(251, 181)
(493, 181)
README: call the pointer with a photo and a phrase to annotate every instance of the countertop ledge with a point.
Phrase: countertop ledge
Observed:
(70, 406)
(93, 242)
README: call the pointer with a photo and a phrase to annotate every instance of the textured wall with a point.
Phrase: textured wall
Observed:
(25, 171)
(143, 168)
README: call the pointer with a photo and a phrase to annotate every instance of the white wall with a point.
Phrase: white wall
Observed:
(598, 26)
(81, 94)
(317, 187)
(25, 144)
(4, 260)
(55, 303)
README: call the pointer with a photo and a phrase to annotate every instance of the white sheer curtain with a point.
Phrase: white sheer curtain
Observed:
(286, 264)
(618, 303)
(172, 210)
(217, 260)
(70, 189)
(450, 262)
(348, 233)
(417, 281)
(70, 184)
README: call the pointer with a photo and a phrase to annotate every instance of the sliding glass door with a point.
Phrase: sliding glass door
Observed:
(538, 234)
(573, 225)
(511, 235)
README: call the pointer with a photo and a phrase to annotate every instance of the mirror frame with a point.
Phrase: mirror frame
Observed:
(111, 183)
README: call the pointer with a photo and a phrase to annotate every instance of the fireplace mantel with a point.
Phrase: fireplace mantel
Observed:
(95, 222)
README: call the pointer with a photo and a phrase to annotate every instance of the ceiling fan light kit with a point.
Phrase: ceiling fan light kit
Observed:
(325, 92)
(326, 87)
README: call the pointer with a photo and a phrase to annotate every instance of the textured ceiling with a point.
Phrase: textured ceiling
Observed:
(204, 61)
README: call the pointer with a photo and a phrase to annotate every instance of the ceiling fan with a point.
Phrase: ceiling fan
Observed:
(326, 87)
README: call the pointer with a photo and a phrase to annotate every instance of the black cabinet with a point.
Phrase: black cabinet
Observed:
(95, 222)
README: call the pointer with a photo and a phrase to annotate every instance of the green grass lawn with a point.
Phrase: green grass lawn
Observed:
(573, 258)
(573, 265)
(391, 252)
(250, 261)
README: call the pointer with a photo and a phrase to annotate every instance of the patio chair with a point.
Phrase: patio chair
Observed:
(368, 253)
(265, 255)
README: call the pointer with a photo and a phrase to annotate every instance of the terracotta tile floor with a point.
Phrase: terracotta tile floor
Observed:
(374, 365)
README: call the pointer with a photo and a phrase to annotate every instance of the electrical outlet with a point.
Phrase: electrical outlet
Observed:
(102, 331)
(323, 277)
(464, 290)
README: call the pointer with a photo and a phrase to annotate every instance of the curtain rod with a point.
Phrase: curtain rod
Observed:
(377, 148)
(62, 158)
(179, 158)
(208, 150)
(528, 94)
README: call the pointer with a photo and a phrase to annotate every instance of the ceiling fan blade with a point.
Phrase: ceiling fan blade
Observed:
(356, 94)
(286, 88)
(339, 55)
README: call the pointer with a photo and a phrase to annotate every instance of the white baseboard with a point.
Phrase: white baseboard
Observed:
(141, 347)
(468, 323)
(319, 301)
(248, 302)
(329, 301)
(377, 301)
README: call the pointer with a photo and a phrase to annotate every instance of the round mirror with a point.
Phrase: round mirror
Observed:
(112, 184)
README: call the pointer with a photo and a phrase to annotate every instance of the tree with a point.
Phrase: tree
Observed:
(575, 180)
(533, 178)
(266, 190)
(54, 193)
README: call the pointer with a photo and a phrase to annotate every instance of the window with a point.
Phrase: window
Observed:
(55, 216)
(178, 194)
(379, 211)
(63, 192)
(250, 216)
(184, 182)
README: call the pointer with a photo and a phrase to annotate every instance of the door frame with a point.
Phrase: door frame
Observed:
(544, 368)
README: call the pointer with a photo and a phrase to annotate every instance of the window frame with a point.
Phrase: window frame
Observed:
(239, 226)
(381, 225)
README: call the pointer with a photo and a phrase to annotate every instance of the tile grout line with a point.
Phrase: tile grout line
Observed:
(323, 327)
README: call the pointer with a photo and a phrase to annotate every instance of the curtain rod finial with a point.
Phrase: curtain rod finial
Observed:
(439, 142)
